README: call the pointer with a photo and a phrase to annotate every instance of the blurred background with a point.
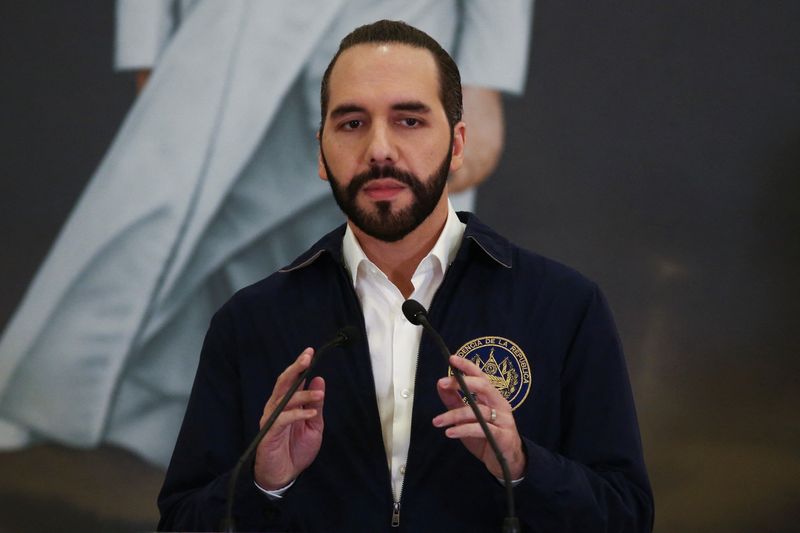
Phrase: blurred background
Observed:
(657, 150)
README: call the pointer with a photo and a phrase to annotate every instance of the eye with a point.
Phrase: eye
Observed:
(351, 125)
(410, 122)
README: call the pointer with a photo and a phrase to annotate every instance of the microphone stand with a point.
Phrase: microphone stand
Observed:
(416, 314)
(345, 335)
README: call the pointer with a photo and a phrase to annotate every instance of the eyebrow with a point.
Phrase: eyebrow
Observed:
(411, 105)
(346, 109)
(415, 106)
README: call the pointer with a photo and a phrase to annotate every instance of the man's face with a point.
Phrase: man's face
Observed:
(386, 146)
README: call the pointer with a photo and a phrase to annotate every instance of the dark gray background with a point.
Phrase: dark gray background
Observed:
(657, 150)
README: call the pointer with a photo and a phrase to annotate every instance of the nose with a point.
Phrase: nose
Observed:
(380, 148)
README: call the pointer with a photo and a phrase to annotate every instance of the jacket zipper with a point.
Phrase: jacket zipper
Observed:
(396, 514)
(395, 500)
(395, 522)
(348, 282)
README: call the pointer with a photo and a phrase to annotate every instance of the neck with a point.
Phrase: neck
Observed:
(400, 259)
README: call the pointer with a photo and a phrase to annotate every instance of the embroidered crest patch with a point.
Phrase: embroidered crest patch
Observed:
(504, 363)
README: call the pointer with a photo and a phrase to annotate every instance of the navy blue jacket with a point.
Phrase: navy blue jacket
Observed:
(585, 470)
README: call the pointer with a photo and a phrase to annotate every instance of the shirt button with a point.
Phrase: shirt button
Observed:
(405, 393)
(403, 470)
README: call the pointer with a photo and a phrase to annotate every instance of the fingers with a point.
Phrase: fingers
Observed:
(465, 365)
(464, 415)
(294, 415)
(460, 421)
(310, 398)
(317, 386)
(291, 373)
(488, 398)
(465, 431)
(303, 399)
(304, 405)
(480, 387)
(449, 395)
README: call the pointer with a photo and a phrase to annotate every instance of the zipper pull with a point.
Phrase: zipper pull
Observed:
(396, 514)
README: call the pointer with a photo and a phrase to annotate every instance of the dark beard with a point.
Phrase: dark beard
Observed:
(386, 225)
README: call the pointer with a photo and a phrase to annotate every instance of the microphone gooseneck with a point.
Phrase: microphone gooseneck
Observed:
(345, 335)
(418, 315)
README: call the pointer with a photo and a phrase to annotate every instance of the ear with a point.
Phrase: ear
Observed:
(459, 140)
(321, 170)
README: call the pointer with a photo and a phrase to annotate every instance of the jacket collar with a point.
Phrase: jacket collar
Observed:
(487, 240)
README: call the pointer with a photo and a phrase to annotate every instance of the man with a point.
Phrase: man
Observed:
(380, 437)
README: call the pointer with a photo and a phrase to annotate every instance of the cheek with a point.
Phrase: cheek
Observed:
(431, 157)
(341, 154)
(420, 149)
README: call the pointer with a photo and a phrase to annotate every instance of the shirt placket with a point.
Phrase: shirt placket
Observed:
(403, 375)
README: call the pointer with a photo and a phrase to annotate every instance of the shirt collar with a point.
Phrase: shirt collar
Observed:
(487, 240)
(443, 251)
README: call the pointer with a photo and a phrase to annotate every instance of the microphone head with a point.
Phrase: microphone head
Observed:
(347, 335)
(413, 311)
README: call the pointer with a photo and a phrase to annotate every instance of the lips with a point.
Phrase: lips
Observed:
(383, 188)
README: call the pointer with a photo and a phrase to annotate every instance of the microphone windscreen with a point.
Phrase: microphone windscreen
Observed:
(412, 309)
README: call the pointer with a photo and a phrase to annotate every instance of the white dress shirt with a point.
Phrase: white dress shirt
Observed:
(393, 340)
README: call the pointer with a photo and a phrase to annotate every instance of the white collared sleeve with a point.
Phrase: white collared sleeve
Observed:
(274, 494)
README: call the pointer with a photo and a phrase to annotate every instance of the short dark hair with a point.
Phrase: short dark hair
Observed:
(395, 31)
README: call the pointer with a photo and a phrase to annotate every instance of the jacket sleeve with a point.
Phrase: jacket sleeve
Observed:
(493, 44)
(212, 437)
(597, 481)
(143, 28)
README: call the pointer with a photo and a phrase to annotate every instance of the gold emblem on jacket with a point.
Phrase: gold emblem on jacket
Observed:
(504, 363)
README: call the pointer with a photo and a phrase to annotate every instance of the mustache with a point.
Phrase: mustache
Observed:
(378, 172)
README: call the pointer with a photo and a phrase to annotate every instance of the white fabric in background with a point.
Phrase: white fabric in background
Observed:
(209, 185)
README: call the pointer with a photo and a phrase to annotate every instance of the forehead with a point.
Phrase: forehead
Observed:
(383, 72)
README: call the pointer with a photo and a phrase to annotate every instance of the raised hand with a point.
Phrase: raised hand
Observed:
(294, 441)
(461, 423)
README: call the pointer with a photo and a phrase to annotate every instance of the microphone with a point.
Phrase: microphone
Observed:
(344, 336)
(417, 315)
